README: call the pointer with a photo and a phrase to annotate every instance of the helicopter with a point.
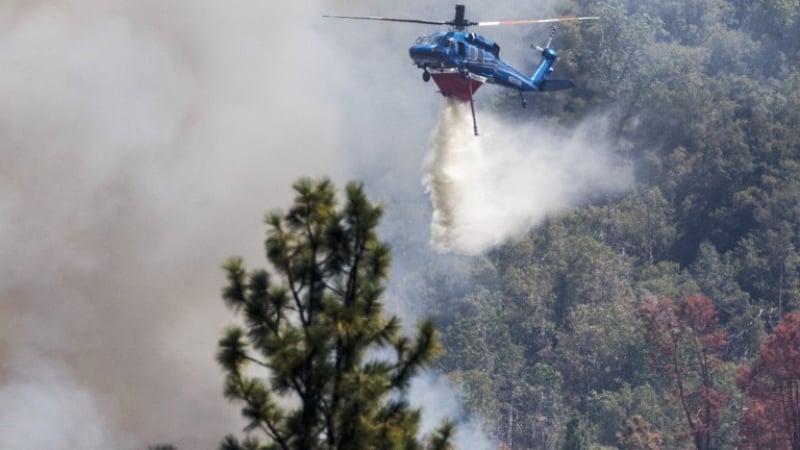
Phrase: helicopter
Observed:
(461, 61)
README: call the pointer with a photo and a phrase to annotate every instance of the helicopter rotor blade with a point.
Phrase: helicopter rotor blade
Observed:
(390, 19)
(531, 21)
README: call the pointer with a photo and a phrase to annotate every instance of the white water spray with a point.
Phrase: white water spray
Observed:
(490, 188)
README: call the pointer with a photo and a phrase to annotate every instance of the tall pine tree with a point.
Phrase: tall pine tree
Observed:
(315, 336)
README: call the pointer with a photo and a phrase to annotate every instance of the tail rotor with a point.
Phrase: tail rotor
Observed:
(541, 78)
(549, 40)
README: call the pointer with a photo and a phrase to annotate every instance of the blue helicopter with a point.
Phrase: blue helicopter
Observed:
(460, 61)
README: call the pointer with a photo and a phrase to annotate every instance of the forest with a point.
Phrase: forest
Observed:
(664, 317)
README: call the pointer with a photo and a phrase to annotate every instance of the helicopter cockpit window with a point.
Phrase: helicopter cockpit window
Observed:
(462, 49)
(444, 41)
(423, 40)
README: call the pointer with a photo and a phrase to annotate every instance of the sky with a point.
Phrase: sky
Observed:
(142, 143)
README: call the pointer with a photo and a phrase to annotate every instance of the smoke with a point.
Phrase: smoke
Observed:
(487, 189)
(440, 400)
(141, 143)
(43, 407)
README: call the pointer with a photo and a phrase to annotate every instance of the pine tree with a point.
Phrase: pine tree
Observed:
(315, 336)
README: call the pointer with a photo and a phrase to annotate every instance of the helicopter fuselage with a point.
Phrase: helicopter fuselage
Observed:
(475, 60)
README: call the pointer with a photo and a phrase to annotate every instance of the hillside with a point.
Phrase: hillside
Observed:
(557, 340)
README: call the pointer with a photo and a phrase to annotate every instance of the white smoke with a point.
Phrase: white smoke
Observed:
(44, 407)
(489, 188)
(440, 400)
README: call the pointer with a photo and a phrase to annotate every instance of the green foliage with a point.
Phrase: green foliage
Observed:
(575, 437)
(716, 276)
(441, 439)
(603, 349)
(610, 411)
(640, 226)
(665, 279)
(311, 334)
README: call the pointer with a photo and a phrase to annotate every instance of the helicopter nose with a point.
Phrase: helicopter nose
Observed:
(419, 50)
(422, 54)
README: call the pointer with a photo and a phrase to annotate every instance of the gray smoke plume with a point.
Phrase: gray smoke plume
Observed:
(487, 189)
(141, 142)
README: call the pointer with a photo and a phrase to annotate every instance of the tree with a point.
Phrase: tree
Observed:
(772, 388)
(610, 412)
(686, 344)
(637, 435)
(603, 349)
(716, 276)
(575, 437)
(315, 334)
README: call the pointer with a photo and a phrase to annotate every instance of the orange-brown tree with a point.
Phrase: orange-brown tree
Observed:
(686, 343)
(772, 386)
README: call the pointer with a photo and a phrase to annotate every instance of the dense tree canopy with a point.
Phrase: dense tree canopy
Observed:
(704, 101)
